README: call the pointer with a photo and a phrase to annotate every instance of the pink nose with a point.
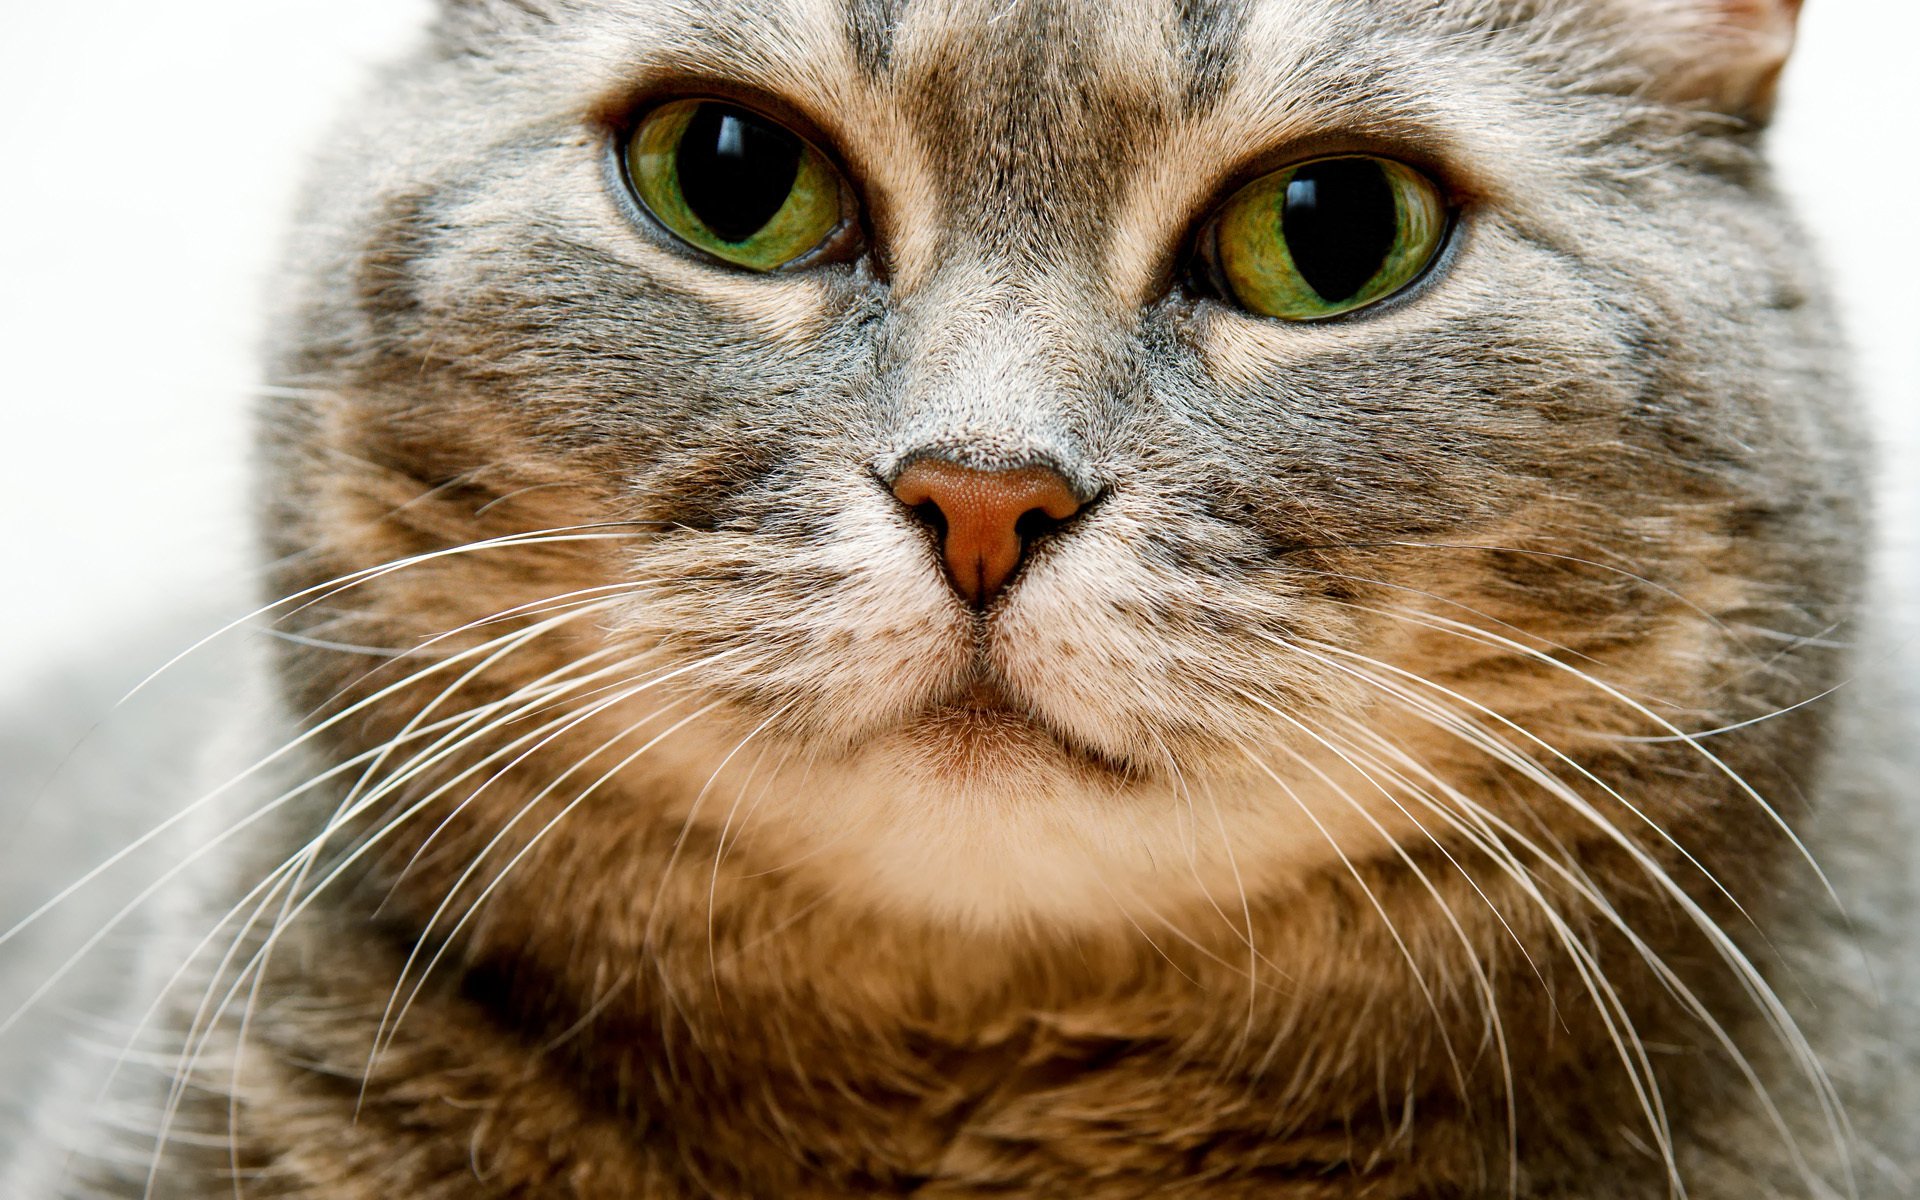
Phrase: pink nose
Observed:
(984, 519)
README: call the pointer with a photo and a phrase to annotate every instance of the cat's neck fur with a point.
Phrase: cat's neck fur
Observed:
(774, 1043)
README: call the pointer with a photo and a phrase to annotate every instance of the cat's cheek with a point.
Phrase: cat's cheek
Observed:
(839, 636)
(1085, 644)
(1155, 664)
(788, 312)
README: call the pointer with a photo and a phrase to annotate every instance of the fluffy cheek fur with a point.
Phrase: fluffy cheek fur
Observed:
(834, 632)
(1194, 714)
(1179, 736)
(1129, 768)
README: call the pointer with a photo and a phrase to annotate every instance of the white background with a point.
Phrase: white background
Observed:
(149, 153)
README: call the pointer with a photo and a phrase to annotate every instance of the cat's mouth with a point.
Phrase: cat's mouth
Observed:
(984, 721)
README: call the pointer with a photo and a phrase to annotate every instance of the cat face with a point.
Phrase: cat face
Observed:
(1308, 581)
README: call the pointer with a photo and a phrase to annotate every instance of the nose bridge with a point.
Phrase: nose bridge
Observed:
(995, 373)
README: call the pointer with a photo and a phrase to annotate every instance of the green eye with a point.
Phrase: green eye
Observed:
(1328, 236)
(733, 183)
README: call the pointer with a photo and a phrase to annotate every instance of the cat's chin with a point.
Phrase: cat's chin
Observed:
(986, 806)
(983, 729)
(975, 813)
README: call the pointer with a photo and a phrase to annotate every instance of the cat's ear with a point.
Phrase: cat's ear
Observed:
(1725, 54)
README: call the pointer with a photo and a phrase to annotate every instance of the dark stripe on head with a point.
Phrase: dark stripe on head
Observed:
(871, 25)
(1209, 33)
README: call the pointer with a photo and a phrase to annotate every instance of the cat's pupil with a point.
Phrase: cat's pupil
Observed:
(735, 170)
(1340, 221)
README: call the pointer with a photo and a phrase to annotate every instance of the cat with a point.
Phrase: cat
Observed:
(1031, 598)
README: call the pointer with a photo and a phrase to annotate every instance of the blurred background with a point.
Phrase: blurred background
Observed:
(153, 151)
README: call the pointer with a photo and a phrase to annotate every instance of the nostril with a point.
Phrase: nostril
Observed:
(1035, 523)
(929, 514)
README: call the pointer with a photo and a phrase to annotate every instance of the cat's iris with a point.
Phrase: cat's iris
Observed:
(733, 183)
(1326, 237)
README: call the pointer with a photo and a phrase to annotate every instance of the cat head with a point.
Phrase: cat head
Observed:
(1020, 508)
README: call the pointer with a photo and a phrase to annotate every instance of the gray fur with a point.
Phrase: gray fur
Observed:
(1597, 475)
